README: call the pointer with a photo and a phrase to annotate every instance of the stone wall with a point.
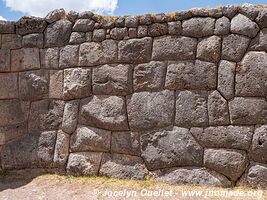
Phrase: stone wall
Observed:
(180, 97)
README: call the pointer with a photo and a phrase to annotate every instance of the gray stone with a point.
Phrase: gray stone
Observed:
(226, 79)
(132, 32)
(157, 29)
(222, 26)
(251, 75)
(229, 10)
(259, 145)
(55, 15)
(84, 163)
(88, 36)
(135, 50)
(123, 167)
(249, 10)
(86, 15)
(160, 18)
(198, 27)
(58, 33)
(113, 79)
(61, 148)
(11, 132)
(184, 14)
(77, 38)
(27, 25)
(259, 43)
(126, 143)
(9, 85)
(11, 41)
(209, 49)
(231, 137)
(131, 22)
(4, 60)
(199, 12)
(83, 25)
(149, 76)
(191, 108)
(234, 47)
(107, 112)
(215, 12)
(174, 47)
(242, 25)
(99, 35)
(142, 31)
(98, 53)
(70, 116)
(175, 28)
(118, 33)
(30, 151)
(191, 75)
(34, 85)
(69, 56)
(77, 83)
(120, 22)
(145, 19)
(7, 27)
(257, 176)
(33, 40)
(90, 139)
(49, 58)
(72, 15)
(262, 18)
(231, 163)
(107, 23)
(56, 84)
(156, 107)
(248, 111)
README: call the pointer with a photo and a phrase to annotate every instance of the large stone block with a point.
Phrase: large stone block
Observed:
(69, 56)
(150, 110)
(55, 15)
(107, 112)
(157, 29)
(99, 35)
(4, 60)
(209, 49)
(27, 25)
(259, 43)
(113, 79)
(77, 37)
(118, 33)
(169, 148)
(11, 132)
(49, 58)
(61, 148)
(251, 75)
(257, 176)
(33, 40)
(11, 41)
(222, 26)
(56, 84)
(174, 47)
(262, 18)
(7, 27)
(84, 25)
(9, 85)
(70, 116)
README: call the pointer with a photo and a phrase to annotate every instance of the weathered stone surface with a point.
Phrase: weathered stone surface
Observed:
(198, 27)
(33, 40)
(222, 26)
(131, 22)
(149, 76)
(156, 107)
(99, 35)
(132, 32)
(9, 85)
(142, 31)
(126, 143)
(118, 33)
(262, 18)
(11, 41)
(4, 60)
(7, 27)
(249, 10)
(112, 79)
(55, 15)
(123, 166)
(231, 163)
(11, 132)
(46, 115)
(69, 56)
(70, 116)
(157, 29)
(25, 59)
(56, 84)
(234, 47)
(77, 83)
(226, 79)
(61, 148)
(135, 50)
(84, 163)
(259, 43)
(235, 137)
(146, 19)
(98, 53)
(175, 28)
(29, 151)
(251, 75)
(248, 110)
(27, 25)
(209, 49)
(218, 109)
(84, 25)
(191, 75)
(242, 25)
(174, 47)
(90, 139)
(191, 108)
(120, 22)
(57, 34)
(72, 15)
(107, 112)
(34, 85)
(85, 15)
(191, 176)
(169, 148)
(257, 176)
(49, 58)
(259, 145)
(229, 10)
(77, 37)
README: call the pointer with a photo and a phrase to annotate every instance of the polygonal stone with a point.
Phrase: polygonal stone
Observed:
(142, 31)
(99, 35)
(209, 49)
(259, 43)
(9, 85)
(70, 116)
(11, 41)
(156, 107)
(27, 25)
(112, 79)
(175, 28)
(77, 37)
(191, 108)
(55, 15)
(146, 19)
(118, 33)
(231, 163)
(242, 25)
(174, 47)
(229, 10)
(56, 84)
(259, 145)
(234, 47)
(123, 167)
(169, 148)
(198, 27)
(120, 22)
(222, 26)
(157, 29)
(149, 76)
(49, 58)
(69, 56)
(7, 27)
(72, 15)
(33, 40)
(4, 60)
(249, 10)
(77, 83)
(61, 148)
(257, 176)
(131, 22)
(262, 18)
(85, 15)
(83, 25)
(251, 75)
(11, 132)
(107, 112)
(132, 32)
(135, 50)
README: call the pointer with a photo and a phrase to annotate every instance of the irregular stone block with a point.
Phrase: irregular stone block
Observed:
(84, 25)
(49, 58)
(149, 76)
(9, 85)
(70, 116)
(123, 167)
(157, 29)
(61, 148)
(169, 148)
(118, 33)
(248, 111)
(209, 49)
(231, 163)
(174, 47)
(69, 56)
(33, 40)
(131, 22)
(257, 176)
(142, 31)
(146, 19)
(222, 26)
(84, 163)
(107, 112)
(99, 35)
(156, 107)
(249, 10)
(135, 50)
(175, 28)
(55, 15)
(77, 37)
(191, 108)
(56, 84)
(7, 27)
(251, 75)
(132, 32)
(4, 60)
(259, 43)
(11, 41)
(229, 11)
(113, 79)
(85, 15)
(72, 15)
(11, 132)
(27, 25)
(259, 145)
(77, 83)
(262, 18)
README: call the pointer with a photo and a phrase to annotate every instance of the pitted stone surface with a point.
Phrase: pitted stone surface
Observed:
(257, 176)
(69, 56)
(49, 58)
(70, 116)
(209, 49)
(4, 60)
(9, 85)
(27, 25)
(222, 26)
(259, 43)
(61, 148)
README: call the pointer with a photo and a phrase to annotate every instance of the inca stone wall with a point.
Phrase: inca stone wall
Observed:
(180, 97)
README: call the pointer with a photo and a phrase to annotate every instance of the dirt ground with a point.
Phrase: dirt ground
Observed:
(59, 187)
